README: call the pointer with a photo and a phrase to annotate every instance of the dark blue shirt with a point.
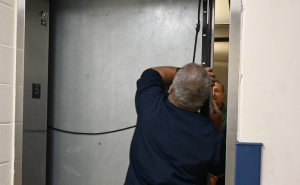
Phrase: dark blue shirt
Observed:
(171, 146)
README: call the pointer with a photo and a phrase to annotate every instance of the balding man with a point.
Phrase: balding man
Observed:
(173, 144)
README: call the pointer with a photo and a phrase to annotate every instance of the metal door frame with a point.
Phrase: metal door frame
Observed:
(233, 86)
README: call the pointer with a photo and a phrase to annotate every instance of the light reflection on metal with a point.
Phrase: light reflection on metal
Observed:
(233, 84)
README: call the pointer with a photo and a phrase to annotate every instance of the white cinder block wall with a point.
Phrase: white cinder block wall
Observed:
(8, 45)
(269, 86)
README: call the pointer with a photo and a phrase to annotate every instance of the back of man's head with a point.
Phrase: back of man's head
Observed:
(191, 87)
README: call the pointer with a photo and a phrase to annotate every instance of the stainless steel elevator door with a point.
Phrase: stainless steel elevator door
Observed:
(99, 48)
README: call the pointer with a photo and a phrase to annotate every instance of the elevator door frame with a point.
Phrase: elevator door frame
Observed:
(232, 85)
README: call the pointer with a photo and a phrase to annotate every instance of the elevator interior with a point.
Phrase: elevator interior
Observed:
(97, 51)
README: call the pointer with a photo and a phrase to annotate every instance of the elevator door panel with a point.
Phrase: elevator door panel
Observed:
(88, 160)
(98, 50)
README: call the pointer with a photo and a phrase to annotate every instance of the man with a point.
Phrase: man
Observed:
(218, 96)
(173, 144)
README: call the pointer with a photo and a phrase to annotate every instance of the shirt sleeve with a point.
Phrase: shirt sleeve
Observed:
(218, 161)
(149, 88)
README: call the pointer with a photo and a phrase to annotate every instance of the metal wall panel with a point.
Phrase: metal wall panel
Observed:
(35, 65)
(233, 85)
(35, 110)
(98, 49)
(88, 160)
(34, 158)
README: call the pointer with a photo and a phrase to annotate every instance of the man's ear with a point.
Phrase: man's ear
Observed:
(170, 89)
(223, 94)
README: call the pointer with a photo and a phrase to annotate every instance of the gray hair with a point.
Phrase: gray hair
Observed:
(191, 86)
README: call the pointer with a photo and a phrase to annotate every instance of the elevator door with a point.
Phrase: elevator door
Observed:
(98, 49)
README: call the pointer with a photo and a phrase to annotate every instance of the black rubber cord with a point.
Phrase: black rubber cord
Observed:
(197, 31)
(84, 133)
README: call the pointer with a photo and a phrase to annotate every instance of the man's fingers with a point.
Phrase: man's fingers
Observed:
(212, 108)
(208, 69)
(215, 108)
(212, 75)
(212, 79)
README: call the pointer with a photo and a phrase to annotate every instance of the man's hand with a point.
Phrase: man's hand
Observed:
(213, 180)
(212, 75)
(215, 115)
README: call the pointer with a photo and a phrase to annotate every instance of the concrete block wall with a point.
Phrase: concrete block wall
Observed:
(8, 12)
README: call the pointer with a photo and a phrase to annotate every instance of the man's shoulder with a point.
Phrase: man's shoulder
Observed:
(150, 87)
(223, 108)
(150, 77)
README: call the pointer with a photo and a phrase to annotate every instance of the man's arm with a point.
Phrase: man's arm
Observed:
(167, 73)
(215, 115)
